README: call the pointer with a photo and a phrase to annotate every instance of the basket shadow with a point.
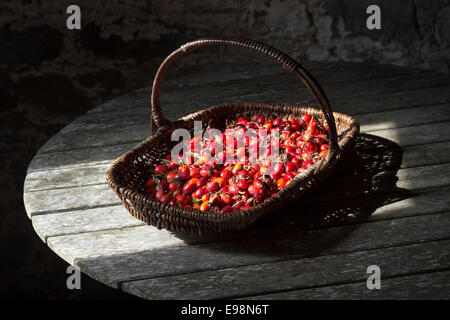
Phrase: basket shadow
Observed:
(364, 180)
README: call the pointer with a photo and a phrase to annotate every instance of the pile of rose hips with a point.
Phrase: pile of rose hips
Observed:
(233, 186)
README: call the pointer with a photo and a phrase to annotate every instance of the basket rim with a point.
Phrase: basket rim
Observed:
(274, 202)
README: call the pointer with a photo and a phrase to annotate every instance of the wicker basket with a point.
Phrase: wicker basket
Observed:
(128, 174)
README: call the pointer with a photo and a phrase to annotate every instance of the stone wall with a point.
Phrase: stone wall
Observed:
(49, 74)
(122, 42)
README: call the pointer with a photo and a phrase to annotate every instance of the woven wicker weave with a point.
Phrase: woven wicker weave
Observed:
(128, 174)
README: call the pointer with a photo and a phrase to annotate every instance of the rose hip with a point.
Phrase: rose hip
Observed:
(233, 190)
(306, 117)
(243, 184)
(205, 171)
(199, 193)
(188, 188)
(306, 164)
(172, 187)
(183, 200)
(202, 181)
(223, 186)
(323, 153)
(226, 199)
(226, 174)
(291, 166)
(226, 209)
(205, 206)
(159, 169)
(213, 186)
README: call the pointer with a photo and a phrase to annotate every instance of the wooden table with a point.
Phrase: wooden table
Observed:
(387, 204)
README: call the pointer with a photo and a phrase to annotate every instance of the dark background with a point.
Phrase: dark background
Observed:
(49, 75)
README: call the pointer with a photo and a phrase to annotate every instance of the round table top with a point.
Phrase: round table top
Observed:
(387, 205)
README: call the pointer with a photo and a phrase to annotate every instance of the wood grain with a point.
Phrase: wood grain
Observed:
(294, 274)
(393, 213)
(140, 263)
(43, 201)
(138, 131)
(81, 221)
(430, 286)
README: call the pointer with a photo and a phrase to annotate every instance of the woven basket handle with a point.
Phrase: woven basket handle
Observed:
(261, 48)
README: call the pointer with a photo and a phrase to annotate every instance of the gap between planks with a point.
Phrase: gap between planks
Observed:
(44, 147)
(40, 202)
(410, 286)
(284, 82)
(408, 118)
(245, 280)
(136, 133)
(426, 201)
(79, 221)
(245, 72)
(148, 263)
(90, 120)
(185, 82)
(94, 174)
(125, 214)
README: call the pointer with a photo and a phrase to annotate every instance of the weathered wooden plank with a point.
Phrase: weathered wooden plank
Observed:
(80, 221)
(91, 175)
(355, 105)
(425, 201)
(97, 138)
(326, 73)
(275, 82)
(340, 69)
(94, 174)
(414, 287)
(66, 177)
(429, 153)
(101, 121)
(83, 221)
(68, 199)
(413, 155)
(318, 212)
(419, 134)
(113, 265)
(389, 101)
(43, 165)
(409, 178)
(126, 102)
(351, 103)
(386, 182)
(78, 158)
(135, 132)
(281, 92)
(140, 98)
(267, 78)
(218, 74)
(404, 117)
(224, 73)
(119, 117)
(115, 241)
(111, 246)
(43, 201)
(140, 114)
(370, 122)
(367, 208)
(139, 131)
(294, 274)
